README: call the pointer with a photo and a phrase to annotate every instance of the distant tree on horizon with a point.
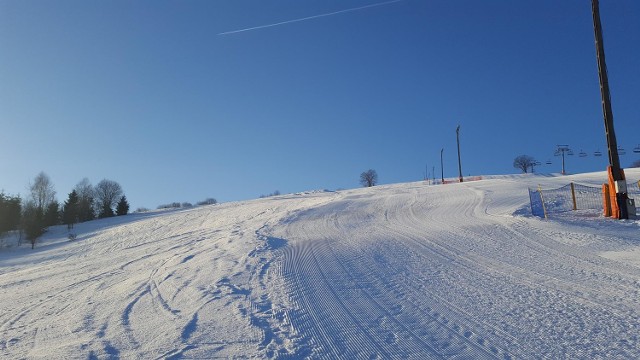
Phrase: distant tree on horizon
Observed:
(70, 210)
(208, 201)
(37, 212)
(10, 213)
(52, 214)
(42, 191)
(275, 193)
(524, 163)
(123, 206)
(107, 192)
(86, 200)
(32, 222)
(173, 205)
(369, 178)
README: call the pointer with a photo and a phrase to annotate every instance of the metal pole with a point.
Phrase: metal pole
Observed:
(614, 161)
(561, 151)
(605, 95)
(459, 163)
(441, 165)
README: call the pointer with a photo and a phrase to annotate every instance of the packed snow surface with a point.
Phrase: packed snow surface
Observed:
(397, 271)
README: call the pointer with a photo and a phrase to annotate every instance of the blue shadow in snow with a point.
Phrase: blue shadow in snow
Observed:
(274, 243)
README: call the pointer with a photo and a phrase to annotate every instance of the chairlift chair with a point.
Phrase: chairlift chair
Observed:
(597, 153)
(636, 149)
(549, 162)
(582, 153)
(621, 151)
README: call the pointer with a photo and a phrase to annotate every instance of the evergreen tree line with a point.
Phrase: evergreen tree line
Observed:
(40, 209)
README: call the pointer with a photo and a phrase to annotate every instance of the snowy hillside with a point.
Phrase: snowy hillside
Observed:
(397, 271)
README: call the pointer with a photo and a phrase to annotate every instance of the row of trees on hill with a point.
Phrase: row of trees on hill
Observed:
(185, 205)
(41, 210)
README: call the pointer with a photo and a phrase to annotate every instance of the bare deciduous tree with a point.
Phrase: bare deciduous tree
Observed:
(41, 197)
(208, 201)
(32, 222)
(107, 193)
(42, 191)
(524, 163)
(369, 178)
(86, 196)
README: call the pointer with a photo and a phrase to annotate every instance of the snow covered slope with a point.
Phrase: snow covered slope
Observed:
(398, 271)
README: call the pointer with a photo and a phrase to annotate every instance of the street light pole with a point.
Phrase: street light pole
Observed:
(617, 180)
(441, 165)
(459, 163)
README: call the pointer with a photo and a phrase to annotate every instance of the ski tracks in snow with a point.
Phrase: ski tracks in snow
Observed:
(359, 292)
(401, 271)
(433, 273)
(185, 284)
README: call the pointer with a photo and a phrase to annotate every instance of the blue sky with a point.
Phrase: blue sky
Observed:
(147, 93)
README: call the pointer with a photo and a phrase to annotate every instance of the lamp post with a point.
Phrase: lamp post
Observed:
(441, 166)
(617, 181)
(459, 163)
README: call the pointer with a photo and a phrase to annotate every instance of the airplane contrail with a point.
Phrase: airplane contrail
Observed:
(309, 17)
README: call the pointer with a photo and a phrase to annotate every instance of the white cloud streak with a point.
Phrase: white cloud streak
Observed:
(309, 17)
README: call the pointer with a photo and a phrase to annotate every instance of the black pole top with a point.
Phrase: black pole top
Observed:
(605, 95)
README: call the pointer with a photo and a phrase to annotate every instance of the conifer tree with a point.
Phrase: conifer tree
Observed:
(106, 212)
(86, 201)
(86, 210)
(123, 206)
(70, 210)
(52, 214)
(10, 212)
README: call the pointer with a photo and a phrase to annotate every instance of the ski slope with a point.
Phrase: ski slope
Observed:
(396, 271)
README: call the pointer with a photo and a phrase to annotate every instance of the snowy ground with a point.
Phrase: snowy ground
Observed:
(398, 271)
